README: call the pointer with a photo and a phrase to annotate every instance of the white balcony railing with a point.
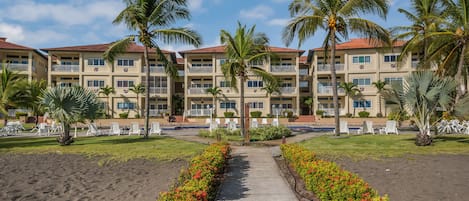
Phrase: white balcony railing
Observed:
(414, 64)
(201, 69)
(157, 112)
(328, 90)
(158, 90)
(327, 67)
(282, 68)
(198, 90)
(330, 111)
(65, 68)
(287, 90)
(15, 67)
(154, 70)
(198, 112)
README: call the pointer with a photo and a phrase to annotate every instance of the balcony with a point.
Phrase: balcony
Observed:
(158, 90)
(198, 112)
(65, 68)
(157, 112)
(328, 90)
(415, 64)
(154, 70)
(198, 90)
(287, 90)
(329, 112)
(327, 67)
(201, 70)
(15, 67)
(282, 68)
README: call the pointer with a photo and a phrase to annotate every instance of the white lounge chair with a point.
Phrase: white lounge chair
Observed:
(264, 122)
(134, 128)
(391, 127)
(227, 121)
(115, 129)
(343, 127)
(155, 128)
(275, 122)
(207, 121)
(217, 120)
(42, 128)
(231, 126)
(254, 123)
(366, 128)
(235, 121)
(93, 130)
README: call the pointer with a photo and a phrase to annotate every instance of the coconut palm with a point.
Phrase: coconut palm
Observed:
(422, 93)
(242, 48)
(30, 96)
(379, 85)
(70, 105)
(9, 89)
(152, 19)
(107, 91)
(309, 101)
(214, 91)
(338, 18)
(350, 90)
(272, 86)
(138, 89)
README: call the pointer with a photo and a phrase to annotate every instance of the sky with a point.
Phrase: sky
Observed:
(61, 23)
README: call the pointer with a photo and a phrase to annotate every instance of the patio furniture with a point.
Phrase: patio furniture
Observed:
(134, 128)
(115, 129)
(343, 127)
(264, 122)
(93, 130)
(366, 128)
(155, 128)
(275, 122)
(42, 129)
(254, 123)
(391, 127)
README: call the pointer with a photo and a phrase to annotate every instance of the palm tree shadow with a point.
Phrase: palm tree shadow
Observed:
(8, 143)
(127, 140)
(451, 138)
(233, 187)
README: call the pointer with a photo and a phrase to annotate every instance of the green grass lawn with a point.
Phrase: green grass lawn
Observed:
(379, 146)
(118, 148)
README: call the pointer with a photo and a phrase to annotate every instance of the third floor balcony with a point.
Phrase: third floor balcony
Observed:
(154, 69)
(327, 67)
(204, 69)
(282, 68)
(328, 90)
(158, 90)
(65, 68)
(287, 90)
(197, 91)
(15, 66)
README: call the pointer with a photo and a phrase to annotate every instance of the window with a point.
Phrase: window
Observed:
(304, 71)
(69, 62)
(225, 84)
(228, 105)
(361, 59)
(95, 62)
(361, 103)
(362, 81)
(393, 80)
(125, 105)
(256, 105)
(125, 62)
(390, 58)
(286, 84)
(222, 61)
(304, 84)
(125, 83)
(201, 62)
(95, 83)
(255, 83)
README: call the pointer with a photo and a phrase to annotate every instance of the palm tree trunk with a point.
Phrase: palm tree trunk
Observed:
(241, 102)
(335, 98)
(461, 90)
(379, 102)
(108, 115)
(65, 138)
(147, 93)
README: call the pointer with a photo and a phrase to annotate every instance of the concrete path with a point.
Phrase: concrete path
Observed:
(253, 175)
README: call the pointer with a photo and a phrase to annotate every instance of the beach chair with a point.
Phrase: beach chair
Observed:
(115, 129)
(207, 121)
(93, 130)
(235, 121)
(155, 128)
(134, 128)
(231, 126)
(227, 121)
(254, 123)
(391, 127)
(275, 122)
(343, 127)
(264, 122)
(42, 129)
(217, 120)
(366, 128)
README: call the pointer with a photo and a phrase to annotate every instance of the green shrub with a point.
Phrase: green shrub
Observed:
(20, 114)
(326, 179)
(269, 133)
(320, 113)
(228, 114)
(221, 131)
(269, 115)
(363, 114)
(348, 115)
(288, 113)
(137, 116)
(256, 114)
(124, 115)
(398, 116)
(198, 181)
(379, 115)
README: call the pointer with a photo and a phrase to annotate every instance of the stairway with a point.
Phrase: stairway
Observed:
(179, 118)
(305, 118)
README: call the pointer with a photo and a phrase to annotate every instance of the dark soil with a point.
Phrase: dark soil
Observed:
(74, 177)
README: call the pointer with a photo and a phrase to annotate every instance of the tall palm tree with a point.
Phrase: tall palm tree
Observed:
(152, 19)
(30, 95)
(242, 48)
(138, 89)
(9, 89)
(338, 18)
(350, 90)
(214, 91)
(107, 91)
(70, 105)
(379, 85)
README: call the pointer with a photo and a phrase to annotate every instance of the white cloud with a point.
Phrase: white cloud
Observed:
(278, 22)
(41, 38)
(195, 5)
(258, 12)
(13, 33)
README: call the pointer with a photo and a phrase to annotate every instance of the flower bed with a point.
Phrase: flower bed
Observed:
(326, 179)
(198, 181)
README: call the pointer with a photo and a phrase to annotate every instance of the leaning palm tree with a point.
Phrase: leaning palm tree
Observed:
(242, 48)
(138, 89)
(379, 85)
(9, 89)
(107, 91)
(214, 91)
(152, 19)
(30, 95)
(70, 105)
(422, 94)
(350, 90)
(338, 18)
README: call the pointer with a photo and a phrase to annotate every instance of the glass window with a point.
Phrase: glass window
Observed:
(255, 83)
(361, 59)
(228, 105)
(125, 105)
(95, 62)
(390, 58)
(125, 83)
(393, 80)
(362, 81)
(362, 104)
(125, 62)
(225, 84)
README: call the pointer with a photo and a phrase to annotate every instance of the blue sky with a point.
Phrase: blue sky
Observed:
(59, 23)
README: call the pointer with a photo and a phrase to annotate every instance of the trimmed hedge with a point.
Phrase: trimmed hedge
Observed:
(269, 133)
(198, 181)
(326, 179)
(256, 114)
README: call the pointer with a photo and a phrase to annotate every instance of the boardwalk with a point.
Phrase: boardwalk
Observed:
(253, 175)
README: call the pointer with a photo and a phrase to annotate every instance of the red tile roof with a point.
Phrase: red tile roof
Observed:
(133, 48)
(11, 46)
(362, 43)
(303, 59)
(180, 60)
(221, 49)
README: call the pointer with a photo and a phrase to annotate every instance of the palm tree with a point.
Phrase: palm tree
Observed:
(138, 89)
(380, 88)
(242, 48)
(338, 18)
(30, 95)
(309, 101)
(214, 91)
(9, 90)
(107, 91)
(152, 19)
(70, 105)
(272, 86)
(422, 93)
(350, 90)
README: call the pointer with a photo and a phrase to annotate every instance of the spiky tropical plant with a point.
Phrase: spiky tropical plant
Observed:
(350, 90)
(309, 101)
(70, 105)
(107, 91)
(30, 96)
(380, 86)
(152, 19)
(242, 48)
(338, 18)
(9, 89)
(138, 89)
(214, 91)
(272, 86)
